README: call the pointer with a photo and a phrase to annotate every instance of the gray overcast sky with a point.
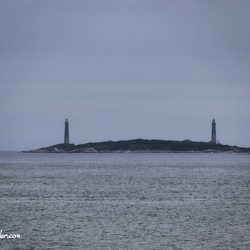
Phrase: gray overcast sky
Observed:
(123, 69)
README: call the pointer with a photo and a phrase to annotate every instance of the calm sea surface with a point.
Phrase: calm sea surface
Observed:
(125, 201)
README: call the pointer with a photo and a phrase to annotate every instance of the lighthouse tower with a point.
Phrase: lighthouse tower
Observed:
(213, 137)
(66, 132)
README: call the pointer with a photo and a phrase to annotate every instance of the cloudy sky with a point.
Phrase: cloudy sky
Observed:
(123, 69)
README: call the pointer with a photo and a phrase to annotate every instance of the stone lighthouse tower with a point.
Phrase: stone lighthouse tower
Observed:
(213, 137)
(66, 132)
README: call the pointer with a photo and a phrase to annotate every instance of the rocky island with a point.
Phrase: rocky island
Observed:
(140, 146)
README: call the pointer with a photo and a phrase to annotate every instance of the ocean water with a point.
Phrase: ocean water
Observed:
(125, 201)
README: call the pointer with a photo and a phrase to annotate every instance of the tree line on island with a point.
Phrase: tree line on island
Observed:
(140, 145)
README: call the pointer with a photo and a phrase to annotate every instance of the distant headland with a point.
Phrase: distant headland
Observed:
(140, 146)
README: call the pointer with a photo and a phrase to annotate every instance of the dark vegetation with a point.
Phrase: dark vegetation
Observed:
(141, 145)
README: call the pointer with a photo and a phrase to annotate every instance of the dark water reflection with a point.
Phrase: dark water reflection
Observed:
(125, 201)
